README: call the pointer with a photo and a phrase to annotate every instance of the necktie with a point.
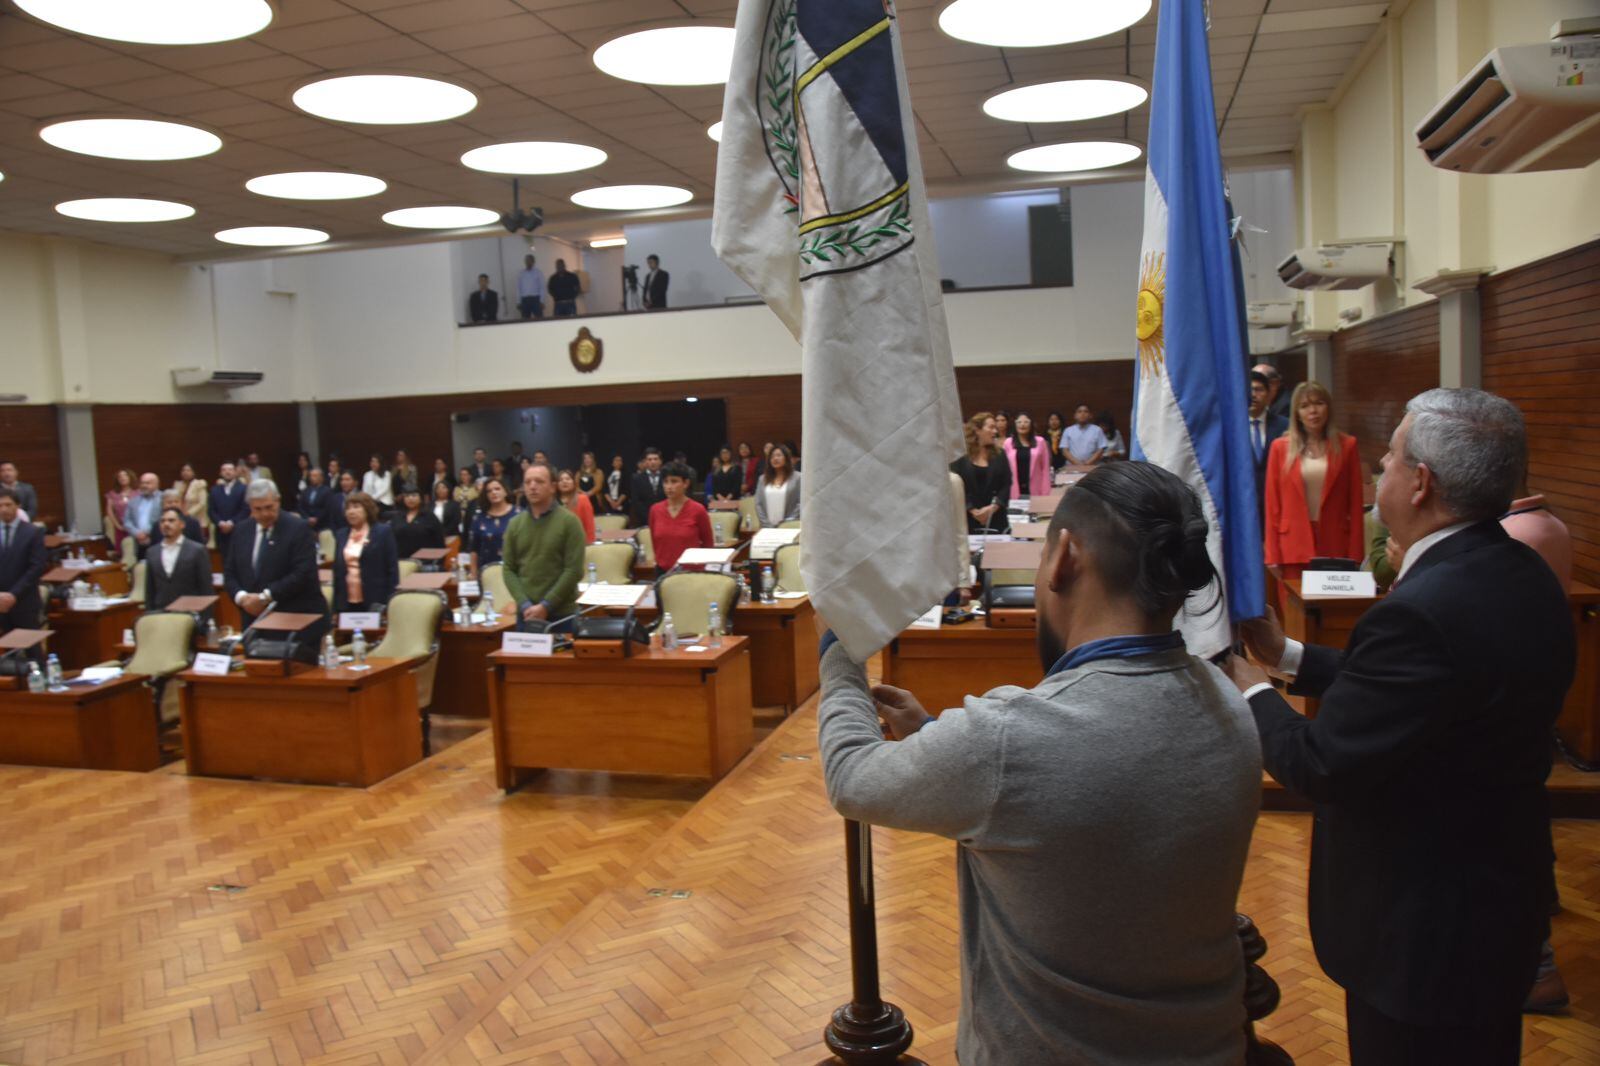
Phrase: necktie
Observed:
(5, 542)
(1257, 438)
(255, 556)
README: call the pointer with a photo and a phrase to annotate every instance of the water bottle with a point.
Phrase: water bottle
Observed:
(35, 678)
(749, 522)
(744, 589)
(713, 625)
(487, 606)
(669, 632)
(463, 612)
(96, 591)
(594, 574)
(211, 631)
(769, 586)
(53, 673)
(716, 534)
(358, 647)
(330, 652)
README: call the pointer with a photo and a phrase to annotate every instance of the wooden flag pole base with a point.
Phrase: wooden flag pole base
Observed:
(866, 1031)
(1260, 996)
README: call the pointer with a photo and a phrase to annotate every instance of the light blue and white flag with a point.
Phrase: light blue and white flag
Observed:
(820, 207)
(1189, 408)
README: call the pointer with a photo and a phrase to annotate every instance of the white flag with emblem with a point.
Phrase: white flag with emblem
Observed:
(820, 206)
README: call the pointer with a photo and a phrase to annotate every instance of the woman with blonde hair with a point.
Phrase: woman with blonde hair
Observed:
(1314, 482)
(194, 496)
(986, 475)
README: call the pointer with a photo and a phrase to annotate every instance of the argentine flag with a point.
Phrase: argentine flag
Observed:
(1189, 407)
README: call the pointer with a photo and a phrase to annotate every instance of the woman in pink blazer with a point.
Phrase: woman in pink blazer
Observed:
(1029, 456)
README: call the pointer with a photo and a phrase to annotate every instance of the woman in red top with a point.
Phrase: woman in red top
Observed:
(1314, 481)
(677, 523)
(576, 501)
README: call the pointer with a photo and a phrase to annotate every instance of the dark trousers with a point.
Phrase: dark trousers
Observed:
(531, 306)
(1379, 1040)
(566, 308)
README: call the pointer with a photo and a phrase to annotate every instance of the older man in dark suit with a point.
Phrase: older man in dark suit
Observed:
(1430, 854)
(23, 561)
(272, 562)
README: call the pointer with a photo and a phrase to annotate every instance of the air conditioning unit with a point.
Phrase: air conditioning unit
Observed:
(1273, 313)
(193, 377)
(1524, 107)
(1338, 266)
(1267, 341)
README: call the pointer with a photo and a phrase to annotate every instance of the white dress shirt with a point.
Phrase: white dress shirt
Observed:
(169, 555)
(263, 533)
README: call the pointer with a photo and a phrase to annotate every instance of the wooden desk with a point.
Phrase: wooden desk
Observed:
(95, 546)
(461, 685)
(331, 727)
(111, 577)
(943, 666)
(84, 638)
(659, 712)
(111, 726)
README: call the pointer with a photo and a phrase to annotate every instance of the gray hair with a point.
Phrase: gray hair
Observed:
(1475, 445)
(260, 489)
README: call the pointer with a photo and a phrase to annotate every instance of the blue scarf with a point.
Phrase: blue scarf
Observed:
(1116, 648)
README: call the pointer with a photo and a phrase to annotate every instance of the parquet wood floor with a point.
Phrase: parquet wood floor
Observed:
(431, 920)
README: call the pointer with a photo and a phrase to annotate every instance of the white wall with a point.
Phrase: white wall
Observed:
(983, 240)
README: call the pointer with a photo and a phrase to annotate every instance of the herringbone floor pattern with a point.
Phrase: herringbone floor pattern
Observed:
(431, 920)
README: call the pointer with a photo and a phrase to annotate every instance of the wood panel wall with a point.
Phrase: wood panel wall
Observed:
(1377, 367)
(160, 438)
(30, 438)
(1541, 350)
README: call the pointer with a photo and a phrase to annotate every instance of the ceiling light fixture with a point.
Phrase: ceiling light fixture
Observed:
(670, 55)
(714, 131)
(124, 209)
(440, 217)
(691, 399)
(1037, 23)
(1071, 156)
(632, 197)
(533, 157)
(1066, 101)
(316, 185)
(609, 242)
(155, 21)
(130, 138)
(384, 99)
(271, 236)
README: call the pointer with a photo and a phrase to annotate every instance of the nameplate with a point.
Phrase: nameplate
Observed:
(527, 643)
(766, 542)
(601, 595)
(469, 590)
(80, 564)
(214, 665)
(933, 618)
(360, 620)
(89, 603)
(216, 581)
(705, 556)
(1336, 584)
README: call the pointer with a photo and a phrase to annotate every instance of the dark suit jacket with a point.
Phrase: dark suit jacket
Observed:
(191, 575)
(287, 567)
(1276, 426)
(451, 522)
(192, 530)
(483, 305)
(313, 504)
(380, 567)
(21, 567)
(333, 512)
(655, 289)
(227, 505)
(28, 500)
(641, 497)
(1431, 850)
(412, 537)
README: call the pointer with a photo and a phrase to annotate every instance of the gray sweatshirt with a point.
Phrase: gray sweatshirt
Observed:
(1103, 819)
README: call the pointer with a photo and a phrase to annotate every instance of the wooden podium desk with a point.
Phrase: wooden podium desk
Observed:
(330, 727)
(110, 726)
(95, 546)
(659, 712)
(461, 681)
(111, 577)
(943, 666)
(84, 638)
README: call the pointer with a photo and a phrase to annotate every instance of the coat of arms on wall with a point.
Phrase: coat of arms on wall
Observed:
(586, 350)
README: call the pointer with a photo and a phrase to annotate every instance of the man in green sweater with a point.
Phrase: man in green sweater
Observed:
(543, 552)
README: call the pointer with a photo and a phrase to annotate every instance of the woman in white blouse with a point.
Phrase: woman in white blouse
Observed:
(778, 491)
(378, 482)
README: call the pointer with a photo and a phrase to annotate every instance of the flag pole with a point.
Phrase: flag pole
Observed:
(866, 1031)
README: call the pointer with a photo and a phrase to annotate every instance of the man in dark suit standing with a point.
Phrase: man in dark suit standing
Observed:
(313, 502)
(176, 565)
(1430, 854)
(1265, 427)
(647, 489)
(227, 506)
(23, 561)
(27, 498)
(479, 466)
(655, 284)
(484, 303)
(272, 563)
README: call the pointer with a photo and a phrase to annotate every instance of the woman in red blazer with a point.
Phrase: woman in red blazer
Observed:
(1313, 453)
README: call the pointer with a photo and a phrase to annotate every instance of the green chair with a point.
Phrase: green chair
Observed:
(136, 592)
(688, 594)
(412, 632)
(326, 545)
(725, 524)
(610, 521)
(163, 644)
(786, 564)
(409, 567)
(647, 550)
(613, 563)
(793, 523)
(492, 579)
(747, 513)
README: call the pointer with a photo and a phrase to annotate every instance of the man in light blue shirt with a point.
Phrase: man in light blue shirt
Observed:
(144, 512)
(530, 290)
(1084, 441)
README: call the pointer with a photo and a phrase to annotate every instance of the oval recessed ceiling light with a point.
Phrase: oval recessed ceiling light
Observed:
(316, 185)
(632, 197)
(155, 21)
(1074, 155)
(271, 236)
(442, 217)
(130, 138)
(533, 157)
(609, 242)
(1036, 23)
(124, 209)
(1065, 101)
(714, 131)
(670, 55)
(384, 99)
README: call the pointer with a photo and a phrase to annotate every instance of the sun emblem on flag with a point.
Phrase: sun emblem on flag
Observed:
(1151, 303)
